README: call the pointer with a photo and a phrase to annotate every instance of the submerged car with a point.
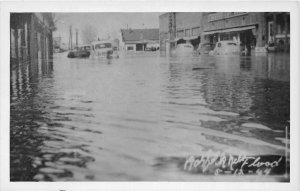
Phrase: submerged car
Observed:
(205, 48)
(271, 47)
(81, 51)
(185, 48)
(226, 47)
(103, 49)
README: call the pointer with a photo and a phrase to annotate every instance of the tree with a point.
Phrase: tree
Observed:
(88, 34)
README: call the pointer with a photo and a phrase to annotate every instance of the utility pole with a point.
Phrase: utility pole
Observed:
(70, 38)
(76, 37)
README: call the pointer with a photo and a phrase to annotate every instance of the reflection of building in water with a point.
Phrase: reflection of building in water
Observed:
(249, 29)
(258, 90)
(228, 92)
(27, 112)
(31, 36)
(273, 67)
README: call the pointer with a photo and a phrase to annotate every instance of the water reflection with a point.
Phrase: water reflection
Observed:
(137, 117)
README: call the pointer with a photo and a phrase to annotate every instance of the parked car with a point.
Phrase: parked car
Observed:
(226, 47)
(103, 49)
(81, 51)
(205, 48)
(184, 48)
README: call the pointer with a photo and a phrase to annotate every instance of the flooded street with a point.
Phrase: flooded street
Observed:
(134, 118)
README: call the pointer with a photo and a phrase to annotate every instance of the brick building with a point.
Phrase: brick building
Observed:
(250, 29)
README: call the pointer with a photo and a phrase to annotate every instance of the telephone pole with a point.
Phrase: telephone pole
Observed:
(76, 37)
(70, 38)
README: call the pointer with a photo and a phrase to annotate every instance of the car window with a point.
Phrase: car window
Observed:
(104, 45)
(231, 44)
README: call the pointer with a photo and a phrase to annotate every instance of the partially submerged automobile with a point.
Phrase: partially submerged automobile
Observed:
(81, 51)
(103, 49)
(205, 48)
(184, 48)
(226, 47)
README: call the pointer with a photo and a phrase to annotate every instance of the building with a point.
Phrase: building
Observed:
(31, 36)
(252, 30)
(278, 25)
(138, 39)
(176, 28)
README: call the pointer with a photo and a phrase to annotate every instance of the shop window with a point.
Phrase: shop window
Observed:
(187, 32)
(180, 33)
(195, 31)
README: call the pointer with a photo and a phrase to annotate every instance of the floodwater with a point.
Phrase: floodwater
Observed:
(129, 119)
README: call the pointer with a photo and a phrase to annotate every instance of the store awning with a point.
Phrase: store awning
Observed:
(190, 38)
(178, 38)
(230, 30)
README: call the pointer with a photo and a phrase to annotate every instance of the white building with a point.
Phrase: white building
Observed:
(138, 39)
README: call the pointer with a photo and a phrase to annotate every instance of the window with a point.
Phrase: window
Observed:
(195, 31)
(129, 47)
(104, 45)
(187, 32)
(180, 33)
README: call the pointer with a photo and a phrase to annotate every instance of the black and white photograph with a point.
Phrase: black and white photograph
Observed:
(150, 96)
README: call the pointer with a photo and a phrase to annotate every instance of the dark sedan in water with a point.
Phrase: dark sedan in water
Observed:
(82, 51)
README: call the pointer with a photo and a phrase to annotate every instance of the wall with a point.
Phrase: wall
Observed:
(133, 46)
(187, 21)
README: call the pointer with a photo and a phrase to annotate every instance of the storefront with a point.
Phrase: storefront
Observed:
(244, 36)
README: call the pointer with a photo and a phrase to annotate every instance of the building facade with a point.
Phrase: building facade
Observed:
(31, 36)
(278, 30)
(176, 28)
(138, 39)
(251, 30)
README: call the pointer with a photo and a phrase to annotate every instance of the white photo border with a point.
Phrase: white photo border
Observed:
(148, 6)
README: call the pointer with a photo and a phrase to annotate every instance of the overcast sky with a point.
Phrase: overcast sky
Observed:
(106, 24)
